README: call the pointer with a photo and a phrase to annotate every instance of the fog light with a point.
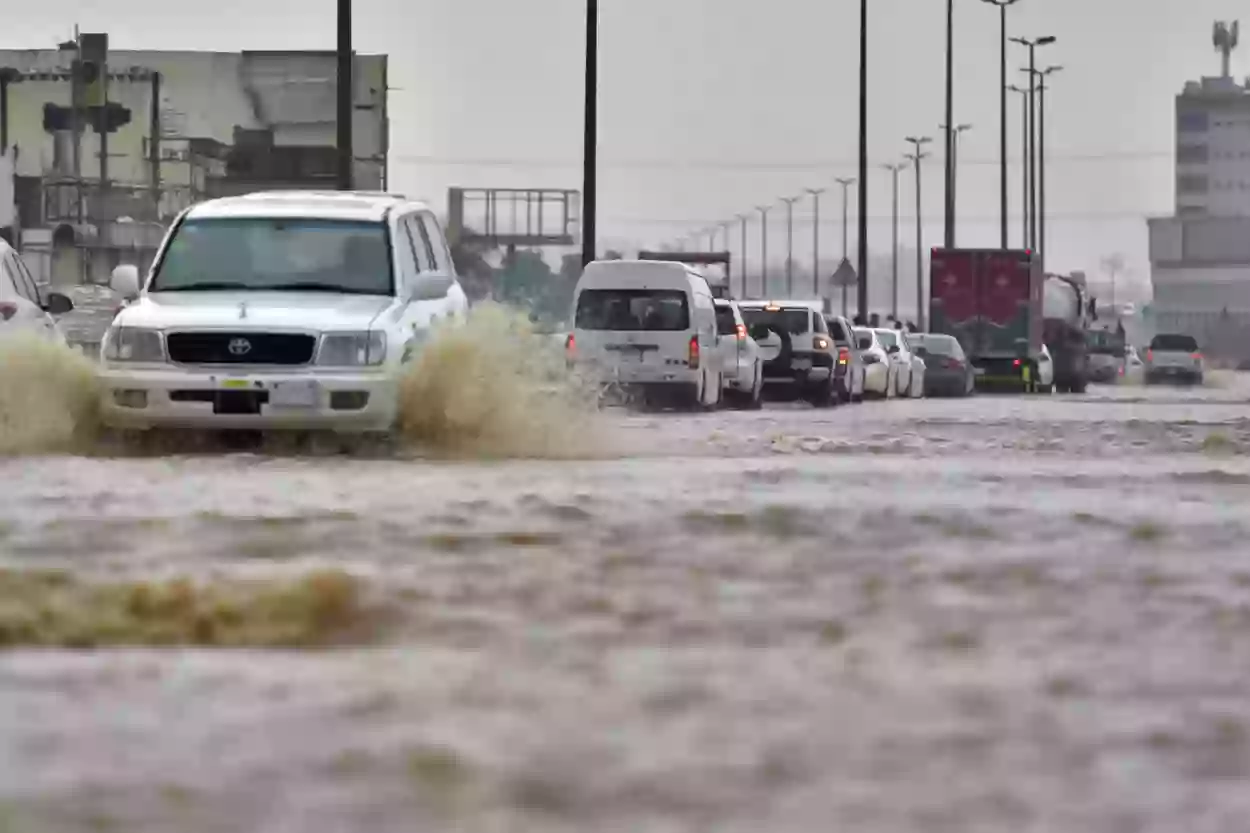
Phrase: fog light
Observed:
(348, 400)
(131, 398)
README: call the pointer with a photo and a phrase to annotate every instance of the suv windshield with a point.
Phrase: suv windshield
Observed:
(796, 322)
(277, 254)
(632, 309)
(1179, 343)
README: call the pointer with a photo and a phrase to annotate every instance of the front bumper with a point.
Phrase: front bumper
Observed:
(150, 396)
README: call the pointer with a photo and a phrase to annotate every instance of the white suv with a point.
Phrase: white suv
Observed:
(796, 347)
(288, 309)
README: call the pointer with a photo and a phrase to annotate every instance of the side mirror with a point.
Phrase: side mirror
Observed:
(58, 304)
(125, 281)
(759, 332)
(428, 286)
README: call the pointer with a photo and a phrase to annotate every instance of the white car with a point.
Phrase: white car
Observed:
(740, 357)
(23, 308)
(879, 370)
(1045, 371)
(908, 367)
(282, 310)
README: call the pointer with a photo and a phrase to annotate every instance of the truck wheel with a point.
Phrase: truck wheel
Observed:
(1078, 386)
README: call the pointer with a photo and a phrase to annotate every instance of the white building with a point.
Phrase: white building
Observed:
(1200, 256)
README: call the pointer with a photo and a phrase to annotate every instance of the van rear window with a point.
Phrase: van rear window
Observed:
(632, 309)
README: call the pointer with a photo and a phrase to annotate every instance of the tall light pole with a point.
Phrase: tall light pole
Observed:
(1025, 129)
(815, 195)
(949, 236)
(1032, 45)
(1042, 75)
(346, 153)
(742, 226)
(916, 158)
(790, 201)
(862, 288)
(590, 137)
(894, 170)
(1002, 104)
(954, 172)
(763, 210)
(846, 183)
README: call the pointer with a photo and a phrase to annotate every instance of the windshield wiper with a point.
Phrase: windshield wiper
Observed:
(202, 286)
(313, 286)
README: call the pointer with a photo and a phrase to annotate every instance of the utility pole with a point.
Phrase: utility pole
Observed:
(1024, 164)
(1002, 105)
(346, 97)
(815, 194)
(742, 220)
(790, 201)
(590, 137)
(949, 235)
(894, 170)
(846, 183)
(763, 210)
(862, 288)
(952, 210)
(916, 158)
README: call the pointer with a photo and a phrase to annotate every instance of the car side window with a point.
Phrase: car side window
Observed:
(422, 249)
(25, 281)
(438, 244)
(9, 282)
(405, 250)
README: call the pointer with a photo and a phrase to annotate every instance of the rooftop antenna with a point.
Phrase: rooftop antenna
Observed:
(1225, 39)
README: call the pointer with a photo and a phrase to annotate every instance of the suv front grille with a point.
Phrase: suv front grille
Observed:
(240, 348)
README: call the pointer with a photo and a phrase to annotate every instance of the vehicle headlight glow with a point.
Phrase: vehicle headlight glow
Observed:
(352, 349)
(133, 344)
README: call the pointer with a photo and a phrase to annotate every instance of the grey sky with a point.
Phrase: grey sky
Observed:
(712, 106)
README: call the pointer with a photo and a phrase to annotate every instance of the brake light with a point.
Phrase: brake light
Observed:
(7, 310)
(742, 331)
(1150, 355)
(1198, 356)
(570, 346)
(693, 361)
(954, 363)
(1016, 363)
(844, 355)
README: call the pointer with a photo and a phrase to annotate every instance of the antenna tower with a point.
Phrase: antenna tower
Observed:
(1225, 38)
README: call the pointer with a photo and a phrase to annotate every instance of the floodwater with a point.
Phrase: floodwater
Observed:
(1002, 613)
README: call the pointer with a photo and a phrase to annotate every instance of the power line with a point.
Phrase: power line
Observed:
(430, 160)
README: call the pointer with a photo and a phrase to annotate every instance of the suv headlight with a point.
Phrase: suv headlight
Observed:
(133, 344)
(352, 349)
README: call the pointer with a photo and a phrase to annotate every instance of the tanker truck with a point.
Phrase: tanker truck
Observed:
(1066, 312)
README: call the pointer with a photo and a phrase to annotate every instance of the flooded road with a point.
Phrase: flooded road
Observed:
(982, 615)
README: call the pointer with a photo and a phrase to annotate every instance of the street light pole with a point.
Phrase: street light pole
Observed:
(1025, 129)
(763, 210)
(1002, 149)
(815, 194)
(917, 157)
(346, 99)
(1032, 71)
(894, 170)
(949, 235)
(846, 183)
(590, 132)
(954, 170)
(862, 288)
(790, 201)
(742, 224)
(1041, 160)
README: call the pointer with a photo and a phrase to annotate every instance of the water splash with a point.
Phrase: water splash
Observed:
(49, 396)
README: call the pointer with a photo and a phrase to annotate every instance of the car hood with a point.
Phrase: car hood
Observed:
(319, 311)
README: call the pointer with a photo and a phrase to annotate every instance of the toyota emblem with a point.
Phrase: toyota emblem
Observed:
(239, 347)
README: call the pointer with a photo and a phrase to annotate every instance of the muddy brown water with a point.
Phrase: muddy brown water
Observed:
(982, 615)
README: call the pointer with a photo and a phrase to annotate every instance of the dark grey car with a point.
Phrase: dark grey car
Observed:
(947, 369)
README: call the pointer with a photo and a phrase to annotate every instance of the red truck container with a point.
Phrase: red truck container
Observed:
(991, 300)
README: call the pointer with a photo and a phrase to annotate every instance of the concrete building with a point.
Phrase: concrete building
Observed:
(1200, 256)
(200, 124)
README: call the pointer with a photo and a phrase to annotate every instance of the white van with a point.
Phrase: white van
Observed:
(650, 328)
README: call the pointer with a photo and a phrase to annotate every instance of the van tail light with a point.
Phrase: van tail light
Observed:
(742, 331)
(570, 347)
(1150, 355)
(954, 364)
(844, 355)
(1016, 363)
(1198, 356)
(693, 360)
(7, 310)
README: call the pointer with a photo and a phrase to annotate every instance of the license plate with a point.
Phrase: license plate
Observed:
(301, 394)
(236, 384)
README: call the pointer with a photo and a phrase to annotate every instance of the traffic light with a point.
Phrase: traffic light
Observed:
(109, 118)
